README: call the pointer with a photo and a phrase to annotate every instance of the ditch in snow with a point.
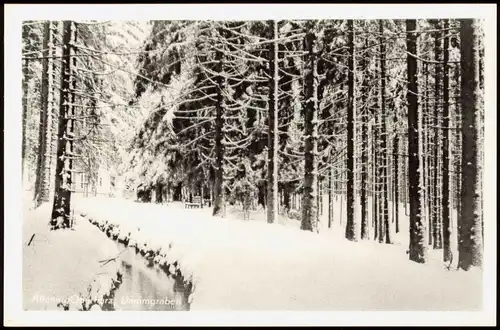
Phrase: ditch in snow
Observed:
(146, 287)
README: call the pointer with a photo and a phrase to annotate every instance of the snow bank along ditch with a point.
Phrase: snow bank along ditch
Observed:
(227, 264)
(67, 269)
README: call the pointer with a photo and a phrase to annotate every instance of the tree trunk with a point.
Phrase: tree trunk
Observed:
(350, 231)
(320, 197)
(330, 197)
(364, 151)
(25, 86)
(158, 193)
(54, 113)
(219, 152)
(379, 179)
(458, 150)
(426, 177)
(374, 180)
(286, 197)
(436, 223)
(177, 193)
(44, 152)
(72, 107)
(309, 205)
(148, 194)
(470, 245)
(60, 217)
(202, 198)
(211, 192)
(445, 192)
(383, 140)
(480, 166)
(417, 249)
(165, 192)
(396, 175)
(272, 170)
(261, 196)
(407, 187)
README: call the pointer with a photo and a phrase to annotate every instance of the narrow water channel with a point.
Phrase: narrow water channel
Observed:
(145, 287)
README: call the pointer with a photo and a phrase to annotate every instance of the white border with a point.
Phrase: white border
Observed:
(14, 14)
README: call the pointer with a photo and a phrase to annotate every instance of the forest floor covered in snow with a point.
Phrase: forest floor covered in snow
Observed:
(66, 269)
(234, 264)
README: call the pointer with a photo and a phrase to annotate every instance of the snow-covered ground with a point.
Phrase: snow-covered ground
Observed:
(251, 265)
(65, 266)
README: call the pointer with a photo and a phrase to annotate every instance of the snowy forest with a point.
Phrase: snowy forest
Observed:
(363, 133)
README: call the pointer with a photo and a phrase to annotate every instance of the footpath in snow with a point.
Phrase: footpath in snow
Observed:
(66, 269)
(251, 265)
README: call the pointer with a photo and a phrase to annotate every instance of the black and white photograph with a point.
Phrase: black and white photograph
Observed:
(255, 159)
